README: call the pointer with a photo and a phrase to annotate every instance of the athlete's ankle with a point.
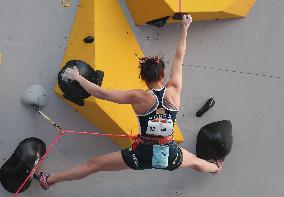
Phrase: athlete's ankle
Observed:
(42, 179)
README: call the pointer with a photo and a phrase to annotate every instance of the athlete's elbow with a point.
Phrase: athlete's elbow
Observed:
(100, 93)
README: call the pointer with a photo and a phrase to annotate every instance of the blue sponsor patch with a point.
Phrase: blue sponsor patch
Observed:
(160, 157)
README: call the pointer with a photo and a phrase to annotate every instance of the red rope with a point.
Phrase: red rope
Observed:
(132, 137)
(100, 134)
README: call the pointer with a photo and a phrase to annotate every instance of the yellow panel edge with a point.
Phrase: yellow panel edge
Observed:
(143, 11)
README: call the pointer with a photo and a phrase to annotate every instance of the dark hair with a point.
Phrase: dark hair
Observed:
(214, 140)
(151, 69)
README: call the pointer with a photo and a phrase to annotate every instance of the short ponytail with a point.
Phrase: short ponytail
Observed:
(151, 68)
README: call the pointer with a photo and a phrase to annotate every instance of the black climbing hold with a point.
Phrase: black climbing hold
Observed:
(158, 22)
(17, 168)
(209, 104)
(99, 76)
(74, 99)
(179, 15)
(72, 89)
(214, 140)
(89, 39)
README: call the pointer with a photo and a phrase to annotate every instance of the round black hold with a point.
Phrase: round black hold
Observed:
(17, 168)
(89, 39)
(214, 140)
(158, 22)
(208, 105)
(72, 90)
(179, 15)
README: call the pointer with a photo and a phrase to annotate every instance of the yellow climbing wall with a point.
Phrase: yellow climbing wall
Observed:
(143, 11)
(114, 52)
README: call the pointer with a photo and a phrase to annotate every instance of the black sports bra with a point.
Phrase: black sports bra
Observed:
(160, 119)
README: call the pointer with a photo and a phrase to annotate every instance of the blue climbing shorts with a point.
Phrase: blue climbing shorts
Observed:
(166, 156)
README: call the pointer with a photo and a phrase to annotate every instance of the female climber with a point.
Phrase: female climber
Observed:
(156, 109)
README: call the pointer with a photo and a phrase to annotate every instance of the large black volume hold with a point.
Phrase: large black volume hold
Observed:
(72, 90)
(214, 140)
(18, 167)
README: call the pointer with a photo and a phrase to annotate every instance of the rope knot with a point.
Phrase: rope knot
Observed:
(131, 136)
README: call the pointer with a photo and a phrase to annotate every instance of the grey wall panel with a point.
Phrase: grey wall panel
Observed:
(238, 62)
